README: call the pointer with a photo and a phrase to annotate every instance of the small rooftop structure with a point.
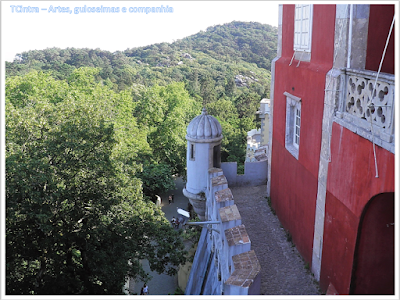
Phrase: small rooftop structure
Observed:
(204, 127)
(264, 106)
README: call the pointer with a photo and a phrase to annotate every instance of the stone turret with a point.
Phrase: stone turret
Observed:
(204, 135)
(224, 263)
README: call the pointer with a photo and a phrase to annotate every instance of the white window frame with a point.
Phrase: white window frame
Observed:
(303, 20)
(293, 114)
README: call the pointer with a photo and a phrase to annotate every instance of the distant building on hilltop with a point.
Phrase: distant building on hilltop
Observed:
(264, 114)
(257, 139)
(253, 143)
(332, 142)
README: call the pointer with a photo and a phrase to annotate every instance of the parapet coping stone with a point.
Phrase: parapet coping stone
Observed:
(247, 268)
(214, 170)
(237, 235)
(219, 180)
(223, 195)
(229, 213)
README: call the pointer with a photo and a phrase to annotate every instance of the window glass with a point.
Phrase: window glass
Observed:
(302, 27)
(296, 139)
(293, 123)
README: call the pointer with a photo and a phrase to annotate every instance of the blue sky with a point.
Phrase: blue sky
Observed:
(118, 31)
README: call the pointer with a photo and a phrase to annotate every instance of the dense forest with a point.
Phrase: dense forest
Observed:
(92, 136)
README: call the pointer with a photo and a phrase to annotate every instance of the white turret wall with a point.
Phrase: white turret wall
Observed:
(197, 168)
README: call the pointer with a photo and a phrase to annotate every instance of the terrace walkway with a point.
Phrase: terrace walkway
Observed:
(283, 272)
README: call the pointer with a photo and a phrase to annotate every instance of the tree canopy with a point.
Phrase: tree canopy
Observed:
(76, 221)
(92, 136)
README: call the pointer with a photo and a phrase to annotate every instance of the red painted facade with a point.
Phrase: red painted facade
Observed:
(294, 182)
(374, 255)
(351, 185)
(377, 40)
(353, 219)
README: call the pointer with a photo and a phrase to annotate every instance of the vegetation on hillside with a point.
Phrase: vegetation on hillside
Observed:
(218, 54)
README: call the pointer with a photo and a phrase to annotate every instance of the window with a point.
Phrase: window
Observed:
(191, 155)
(217, 156)
(293, 124)
(302, 32)
(302, 27)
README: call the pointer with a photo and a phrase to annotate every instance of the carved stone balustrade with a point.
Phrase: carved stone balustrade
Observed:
(368, 109)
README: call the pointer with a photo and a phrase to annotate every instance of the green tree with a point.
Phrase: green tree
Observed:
(165, 112)
(247, 105)
(76, 222)
(230, 87)
(157, 178)
(234, 137)
(207, 89)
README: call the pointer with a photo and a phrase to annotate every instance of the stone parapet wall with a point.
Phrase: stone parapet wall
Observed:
(224, 263)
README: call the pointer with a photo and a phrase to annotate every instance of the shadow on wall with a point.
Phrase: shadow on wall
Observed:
(255, 173)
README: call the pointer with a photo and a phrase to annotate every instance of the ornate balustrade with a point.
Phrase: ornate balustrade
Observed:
(365, 109)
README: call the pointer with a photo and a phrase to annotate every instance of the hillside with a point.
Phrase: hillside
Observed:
(251, 42)
(221, 53)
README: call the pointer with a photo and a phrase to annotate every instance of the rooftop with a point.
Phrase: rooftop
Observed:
(204, 128)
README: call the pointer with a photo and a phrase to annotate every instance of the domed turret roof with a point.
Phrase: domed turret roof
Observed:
(204, 128)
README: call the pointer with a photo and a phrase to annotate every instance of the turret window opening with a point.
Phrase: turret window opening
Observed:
(192, 152)
(217, 156)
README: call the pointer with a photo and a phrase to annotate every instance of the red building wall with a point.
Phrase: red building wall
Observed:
(294, 182)
(373, 272)
(380, 19)
(351, 184)
(351, 175)
(340, 234)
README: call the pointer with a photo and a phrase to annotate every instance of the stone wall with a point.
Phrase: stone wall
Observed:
(255, 173)
(224, 263)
